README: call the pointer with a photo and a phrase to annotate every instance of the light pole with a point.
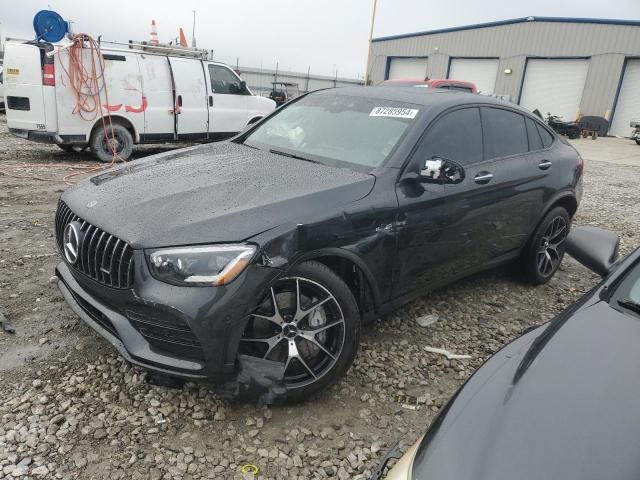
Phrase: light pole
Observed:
(373, 20)
(193, 31)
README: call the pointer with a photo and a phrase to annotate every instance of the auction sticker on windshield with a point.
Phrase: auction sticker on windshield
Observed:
(395, 112)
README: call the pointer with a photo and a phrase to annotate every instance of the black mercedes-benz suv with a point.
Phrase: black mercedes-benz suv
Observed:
(259, 258)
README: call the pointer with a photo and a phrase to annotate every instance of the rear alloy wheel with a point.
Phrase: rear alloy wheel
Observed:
(308, 322)
(545, 250)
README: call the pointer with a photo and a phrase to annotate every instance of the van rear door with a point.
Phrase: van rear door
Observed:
(158, 97)
(191, 108)
(30, 105)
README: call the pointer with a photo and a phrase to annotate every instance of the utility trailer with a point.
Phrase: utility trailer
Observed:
(154, 94)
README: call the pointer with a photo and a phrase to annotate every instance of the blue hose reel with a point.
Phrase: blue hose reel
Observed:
(49, 26)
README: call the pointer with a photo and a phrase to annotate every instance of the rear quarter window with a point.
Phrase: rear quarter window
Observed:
(535, 142)
(547, 138)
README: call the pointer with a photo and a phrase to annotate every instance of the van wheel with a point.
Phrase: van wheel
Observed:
(544, 251)
(309, 323)
(101, 144)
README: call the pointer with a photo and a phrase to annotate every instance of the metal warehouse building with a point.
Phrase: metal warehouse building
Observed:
(563, 66)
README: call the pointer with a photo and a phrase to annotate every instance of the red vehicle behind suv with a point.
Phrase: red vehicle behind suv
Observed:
(435, 83)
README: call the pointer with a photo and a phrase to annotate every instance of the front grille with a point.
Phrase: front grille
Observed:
(101, 256)
(167, 335)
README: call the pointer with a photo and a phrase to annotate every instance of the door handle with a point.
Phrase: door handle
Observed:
(180, 100)
(211, 100)
(544, 164)
(483, 177)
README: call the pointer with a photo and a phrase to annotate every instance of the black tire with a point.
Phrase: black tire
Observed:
(322, 365)
(545, 249)
(637, 141)
(100, 146)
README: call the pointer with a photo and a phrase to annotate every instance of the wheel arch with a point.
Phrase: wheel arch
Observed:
(119, 120)
(356, 274)
(566, 200)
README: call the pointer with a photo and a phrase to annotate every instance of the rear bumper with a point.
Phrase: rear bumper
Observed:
(48, 137)
(33, 135)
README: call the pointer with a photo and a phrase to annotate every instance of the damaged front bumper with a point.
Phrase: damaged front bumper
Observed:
(187, 332)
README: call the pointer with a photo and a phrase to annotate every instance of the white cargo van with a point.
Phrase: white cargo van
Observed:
(155, 94)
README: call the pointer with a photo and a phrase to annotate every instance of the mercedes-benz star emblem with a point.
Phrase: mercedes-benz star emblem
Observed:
(72, 241)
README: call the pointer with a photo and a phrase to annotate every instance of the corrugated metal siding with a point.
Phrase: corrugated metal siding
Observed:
(606, 45)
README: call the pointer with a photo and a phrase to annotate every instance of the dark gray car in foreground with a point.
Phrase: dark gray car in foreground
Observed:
(262, 256)
(560, 402)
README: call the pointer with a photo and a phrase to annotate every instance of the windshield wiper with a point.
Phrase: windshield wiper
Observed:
(630, 305)
(291, 155)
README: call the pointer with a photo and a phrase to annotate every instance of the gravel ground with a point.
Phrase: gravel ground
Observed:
(70, 408)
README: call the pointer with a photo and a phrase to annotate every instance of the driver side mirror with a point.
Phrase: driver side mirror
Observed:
(593, 247)
(442, 170)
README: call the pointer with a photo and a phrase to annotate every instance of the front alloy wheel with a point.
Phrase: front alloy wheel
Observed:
(309, 323)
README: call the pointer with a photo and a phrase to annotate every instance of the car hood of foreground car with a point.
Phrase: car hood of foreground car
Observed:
(561, 402)
(212, 193)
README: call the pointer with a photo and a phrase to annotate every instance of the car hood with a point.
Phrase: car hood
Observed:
(212, 193)
(561, 402)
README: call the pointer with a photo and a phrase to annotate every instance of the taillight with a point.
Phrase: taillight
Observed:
(49, 75)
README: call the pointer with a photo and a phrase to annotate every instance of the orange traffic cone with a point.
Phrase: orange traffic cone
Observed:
(153, 40)
(183, 39)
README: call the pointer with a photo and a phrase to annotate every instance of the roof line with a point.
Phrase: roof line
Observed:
(605, 21)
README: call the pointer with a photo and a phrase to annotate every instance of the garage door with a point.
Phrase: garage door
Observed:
(408, 68)
(628, 104)
(554, 86)
(482, 72)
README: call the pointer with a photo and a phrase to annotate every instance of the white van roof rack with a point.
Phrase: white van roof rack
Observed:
(162, 49)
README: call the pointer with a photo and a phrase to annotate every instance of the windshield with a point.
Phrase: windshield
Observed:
(337, 130)
(627, 293)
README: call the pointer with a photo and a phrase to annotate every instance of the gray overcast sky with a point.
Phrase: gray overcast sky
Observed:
(323, 34)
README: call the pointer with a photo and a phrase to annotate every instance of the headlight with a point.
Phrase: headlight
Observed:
(200, 266)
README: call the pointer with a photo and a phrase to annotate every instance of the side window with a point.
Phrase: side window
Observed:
(547, 138)
(535, 142)
(224, 80)
(457, 136)
(506, 132)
